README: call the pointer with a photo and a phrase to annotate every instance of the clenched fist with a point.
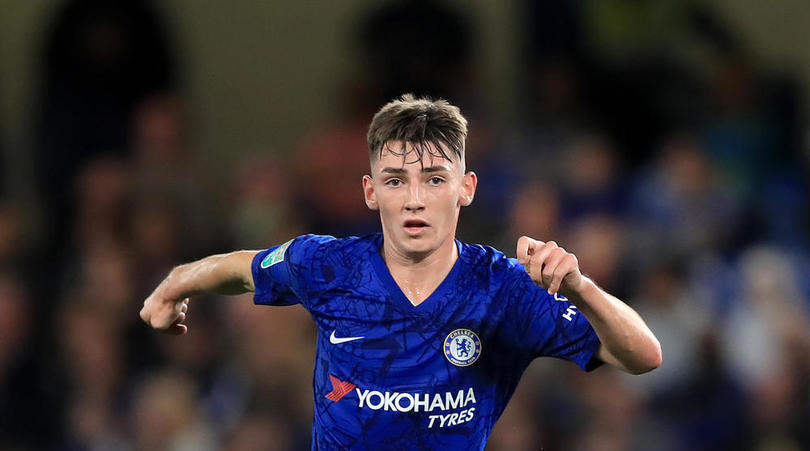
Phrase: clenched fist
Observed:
(164, 311)
(165, 316)
(550, 266)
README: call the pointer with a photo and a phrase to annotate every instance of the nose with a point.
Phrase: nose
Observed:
(415, 200)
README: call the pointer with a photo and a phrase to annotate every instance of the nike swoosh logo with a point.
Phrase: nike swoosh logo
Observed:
(336, 341)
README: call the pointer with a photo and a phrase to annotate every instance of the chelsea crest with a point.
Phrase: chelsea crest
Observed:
(462, 347)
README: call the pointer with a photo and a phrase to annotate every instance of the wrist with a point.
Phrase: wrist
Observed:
(577, 295)
(173, 285)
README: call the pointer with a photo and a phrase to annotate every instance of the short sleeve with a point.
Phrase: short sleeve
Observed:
(545, 325)
(282, 275)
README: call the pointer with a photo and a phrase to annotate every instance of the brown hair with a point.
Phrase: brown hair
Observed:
(423, 122)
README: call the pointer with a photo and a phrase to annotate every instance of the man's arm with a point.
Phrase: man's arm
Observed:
(627, 342)
(165, 309)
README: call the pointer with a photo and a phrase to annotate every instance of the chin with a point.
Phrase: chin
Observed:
(418, 245)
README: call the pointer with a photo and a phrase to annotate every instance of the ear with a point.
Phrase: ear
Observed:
(369, 194)
(469, 183)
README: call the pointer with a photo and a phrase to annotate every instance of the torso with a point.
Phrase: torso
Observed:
(390, 374)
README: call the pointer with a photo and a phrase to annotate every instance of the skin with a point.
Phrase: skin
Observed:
(627, 342)
(429, 194)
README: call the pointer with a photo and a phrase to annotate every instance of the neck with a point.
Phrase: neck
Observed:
(444, 256)
(419, 275)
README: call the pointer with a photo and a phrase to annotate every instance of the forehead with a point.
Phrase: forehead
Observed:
(398, 154)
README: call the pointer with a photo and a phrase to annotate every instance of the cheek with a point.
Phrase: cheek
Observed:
(387, 202)
(446, 203)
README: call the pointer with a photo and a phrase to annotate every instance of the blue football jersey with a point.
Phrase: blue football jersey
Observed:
(391, 375)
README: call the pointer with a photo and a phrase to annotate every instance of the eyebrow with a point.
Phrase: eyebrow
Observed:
(428, 169)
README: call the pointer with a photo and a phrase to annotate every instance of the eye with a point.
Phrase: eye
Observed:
(435, 180)
(393, 182)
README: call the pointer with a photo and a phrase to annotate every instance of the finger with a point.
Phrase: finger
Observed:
(542, 252)
(177, 329)
(145, 314)
(167, 317)
(539, 258)
(523, 245)
(552, 261)
(184, 308)
(563, 268)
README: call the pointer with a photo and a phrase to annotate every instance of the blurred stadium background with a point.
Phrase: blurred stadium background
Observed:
(665, 142)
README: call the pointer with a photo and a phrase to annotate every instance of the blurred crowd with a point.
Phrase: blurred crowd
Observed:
(647, 142)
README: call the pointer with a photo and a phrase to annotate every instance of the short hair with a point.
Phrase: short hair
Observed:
(423, 122)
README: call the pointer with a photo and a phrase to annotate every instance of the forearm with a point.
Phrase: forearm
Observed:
(627, 341)
(166, 307)
(223, 274)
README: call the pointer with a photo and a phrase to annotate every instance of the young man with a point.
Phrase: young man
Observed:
(421, 339)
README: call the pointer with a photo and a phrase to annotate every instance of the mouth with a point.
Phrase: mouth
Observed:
(415, 226)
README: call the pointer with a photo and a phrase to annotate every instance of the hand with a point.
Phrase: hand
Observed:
(165, 313)
(550, 266)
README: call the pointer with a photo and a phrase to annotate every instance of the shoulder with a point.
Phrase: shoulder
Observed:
(479, 255)
(486, 260)
(321, 244)
(313, 263)
(503, 276)
(330, 257)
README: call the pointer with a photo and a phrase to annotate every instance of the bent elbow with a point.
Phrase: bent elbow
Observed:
(652, 360)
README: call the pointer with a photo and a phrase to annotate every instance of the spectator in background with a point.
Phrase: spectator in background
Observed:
(94, 369)
(262, 204)
(768, 320)
(100, 59)
(261, 430)
(535, 210)
(678, 205)
(328, 159)
(166, 168)
(166, 415)
(100, 201)
(664, 296)
(438, 42)
(598, 241)
(590, 179)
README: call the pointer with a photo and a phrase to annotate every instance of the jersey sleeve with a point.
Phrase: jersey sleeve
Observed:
(545, 325)
(283, 274)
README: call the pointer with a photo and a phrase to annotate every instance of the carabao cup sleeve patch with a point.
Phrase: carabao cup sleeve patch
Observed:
(275, 256)
(272, 276)
(284, 274)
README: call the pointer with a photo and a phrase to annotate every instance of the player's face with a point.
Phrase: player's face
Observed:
(419, 201)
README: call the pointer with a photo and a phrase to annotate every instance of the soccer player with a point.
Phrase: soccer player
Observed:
(421, 338)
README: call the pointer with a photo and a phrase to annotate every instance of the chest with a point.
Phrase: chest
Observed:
(370, 335)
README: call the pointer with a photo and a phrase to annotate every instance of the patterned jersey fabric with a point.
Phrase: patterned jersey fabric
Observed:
(391, 375)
